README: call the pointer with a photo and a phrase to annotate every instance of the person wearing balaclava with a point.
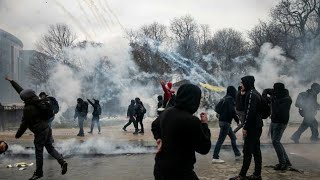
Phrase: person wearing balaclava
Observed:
(308, 107)
(33, 119)
(226, 110)
(179, 134)
(280, 108)
(252, 130)
(131, 112)
(95, 115)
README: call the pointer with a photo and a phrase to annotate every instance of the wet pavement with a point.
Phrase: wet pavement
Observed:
(140, 166)
(120, 155)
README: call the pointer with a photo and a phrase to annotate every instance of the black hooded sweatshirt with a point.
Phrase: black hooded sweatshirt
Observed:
(280, 105)
(131, 110)
(227, 105)
(253, 118)
(182, 134)
(31, 115)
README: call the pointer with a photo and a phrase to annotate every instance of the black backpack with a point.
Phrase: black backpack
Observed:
(98, 111)
(264, 109)
(219, 106)
(142, 110)
(54, 103)
(45, 109)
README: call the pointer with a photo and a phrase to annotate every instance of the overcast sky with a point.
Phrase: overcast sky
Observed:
(100, 19)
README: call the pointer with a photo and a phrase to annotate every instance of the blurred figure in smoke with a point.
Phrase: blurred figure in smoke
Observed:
(36, 113)
(252, 130)
(169, 97)
(54, 103)
(3, 147)
(226, 110)
(280, 108)
(140, 111)
(131, 112)
(308, 107)
(160, 101)
(179, 135)
(81, 112)
(95, 115)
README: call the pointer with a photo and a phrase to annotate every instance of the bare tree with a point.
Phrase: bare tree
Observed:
(40, 65)
(184, 30)
(58, 37)
(229, 43)
(155, 31)
(295, 14)
(204, 38)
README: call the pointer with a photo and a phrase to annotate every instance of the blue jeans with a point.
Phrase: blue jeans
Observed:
(80, 121)
(277, 130)
(225, 129)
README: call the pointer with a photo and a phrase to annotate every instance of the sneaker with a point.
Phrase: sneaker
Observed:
(64, 168)
(124, 129)
(90, 132)
(217, 161)
(237, 178)
(295, 140)
(36, 176)
(280, 167)
(238, 158)
(254, 177)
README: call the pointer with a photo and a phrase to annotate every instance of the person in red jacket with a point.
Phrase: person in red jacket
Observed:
(168, 92)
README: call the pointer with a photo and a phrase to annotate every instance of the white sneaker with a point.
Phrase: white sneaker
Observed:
(238, 158)
(217, 161)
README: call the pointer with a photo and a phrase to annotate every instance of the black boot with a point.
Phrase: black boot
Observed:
(280, 167)
(64, 168)
(36, 176)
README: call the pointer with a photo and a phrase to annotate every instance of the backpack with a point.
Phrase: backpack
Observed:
(264, 109)
(301, 100)
(45, 109)
(54, 103)
(219, 106)
(85, 108)
(142, 110)
(98, 109)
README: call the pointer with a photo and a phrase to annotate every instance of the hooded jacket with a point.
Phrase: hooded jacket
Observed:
(95, 106)
(227, 106)
(131, 110)
(31, 115)
(252, 103)
(182, 133)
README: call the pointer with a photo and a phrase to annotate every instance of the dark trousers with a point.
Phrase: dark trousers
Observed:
(277, 130)
(80, 122)
(306, 123)
(252, 147)
(95, 120)
(188, 176)
(139, 119)
(44, 139)
(225, 130)
(131, 120)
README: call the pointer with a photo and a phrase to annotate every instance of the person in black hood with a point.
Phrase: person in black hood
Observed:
(226, 110)
(80, 113)
(280, 108)
(308, 107)
(131, 112)
(33, 119)
(252, 130)
(95, 115)
(140, 111)
(179, 135)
